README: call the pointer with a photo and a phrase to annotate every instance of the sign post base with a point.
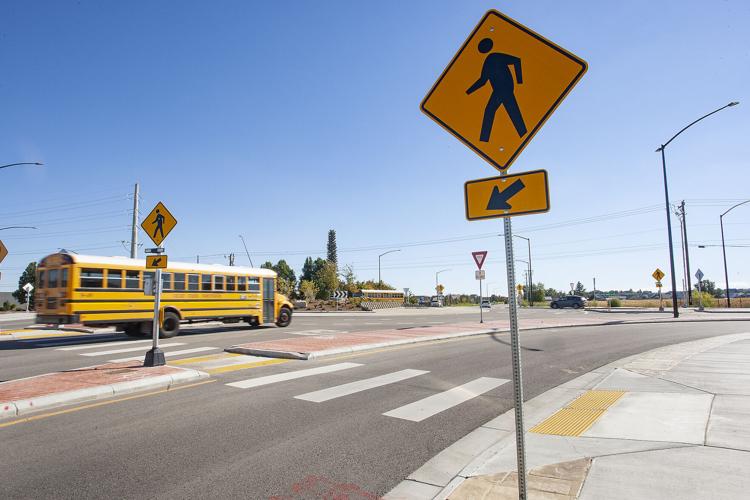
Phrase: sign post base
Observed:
(155, 357)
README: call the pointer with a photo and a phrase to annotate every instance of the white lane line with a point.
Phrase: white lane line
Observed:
(129, 349)
(432, 405)
(359, 385)
(94, 346)
(168, 354)
(77, 340)
(282, 377)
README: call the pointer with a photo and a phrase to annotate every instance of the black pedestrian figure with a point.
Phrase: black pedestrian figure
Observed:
(159, 221)
(496, 70)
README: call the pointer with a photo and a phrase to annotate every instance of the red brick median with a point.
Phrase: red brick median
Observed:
(309, 347)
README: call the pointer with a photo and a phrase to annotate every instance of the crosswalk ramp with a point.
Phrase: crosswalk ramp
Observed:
(416, 411)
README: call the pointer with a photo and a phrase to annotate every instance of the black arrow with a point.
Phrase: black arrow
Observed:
(156, 261)
(499, 200)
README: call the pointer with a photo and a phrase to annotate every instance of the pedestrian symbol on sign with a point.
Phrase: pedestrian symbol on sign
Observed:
(496, 71)
(159, 222)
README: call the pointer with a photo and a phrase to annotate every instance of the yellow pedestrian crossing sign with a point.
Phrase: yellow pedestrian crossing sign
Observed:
(3, 251)
(156, 261)
(159, 223)
(500, 88)
(658, 274)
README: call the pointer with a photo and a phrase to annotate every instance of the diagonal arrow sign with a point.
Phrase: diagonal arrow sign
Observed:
(499, 200)
(157, 261)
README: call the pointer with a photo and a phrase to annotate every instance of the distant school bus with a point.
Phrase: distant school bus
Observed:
(109, 291)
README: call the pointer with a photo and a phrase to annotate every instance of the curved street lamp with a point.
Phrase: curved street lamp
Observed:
(18, 227)
(385, 253)
(436, 279)
(22, 163)
(666, 197)
(723, 248)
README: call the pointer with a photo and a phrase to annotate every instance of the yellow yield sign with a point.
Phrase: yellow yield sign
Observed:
(658, 274)
(3, 251)
(500, 88)
(156, 261)
(506, 196)
(159, 223)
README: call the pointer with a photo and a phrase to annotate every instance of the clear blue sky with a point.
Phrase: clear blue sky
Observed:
(280, 120)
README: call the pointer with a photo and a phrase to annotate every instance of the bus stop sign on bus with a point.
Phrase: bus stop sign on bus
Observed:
(159, 223)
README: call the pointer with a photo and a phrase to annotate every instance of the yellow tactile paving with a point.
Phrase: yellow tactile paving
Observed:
(199, 359)
(579, 415)
(245, 366)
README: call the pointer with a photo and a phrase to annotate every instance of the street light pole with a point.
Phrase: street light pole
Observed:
(22, 163)
(379, 256)
(661, 149)
(531, 279)
(436, 280)
(724, 250)
(528, 277)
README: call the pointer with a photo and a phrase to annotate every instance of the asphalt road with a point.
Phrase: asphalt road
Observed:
(219, 441)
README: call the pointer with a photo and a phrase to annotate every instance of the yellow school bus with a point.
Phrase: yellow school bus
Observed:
(109, 291)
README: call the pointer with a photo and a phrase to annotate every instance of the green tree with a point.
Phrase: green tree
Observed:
(349, 281)
(580, 289)
(709, 287)
(286, 280)
(28, 276)
(308, 270)
(326, 279)
(551, 292)
(308, 289)
(331, 247)
(538, 294)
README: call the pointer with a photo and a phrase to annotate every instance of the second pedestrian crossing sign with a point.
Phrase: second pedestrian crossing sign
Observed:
(500, 88)
(159, 223)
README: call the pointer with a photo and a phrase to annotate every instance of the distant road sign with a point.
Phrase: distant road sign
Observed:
(159, 223)
(479, 274)
(658, 284)
(519, 287)
(479, 257)
(493, 109)
(699, 275)
(3, 251)
(658, 274)
(506, 196)
(28, 287)
(338, 295)
(156, 261)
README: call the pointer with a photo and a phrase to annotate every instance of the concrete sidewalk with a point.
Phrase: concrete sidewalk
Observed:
(19, 397)
(671, 423)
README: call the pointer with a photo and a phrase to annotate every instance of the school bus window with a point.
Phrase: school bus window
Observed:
(132, 279)
(193, 281)
(64, 278)
(206, 282)
(40, 279)
(114, 278)
(92, 278)
(241, 283)
(230, 283)
(179, 281)
(218, 282)
(166, 281)
(52, 278)
(253, 284)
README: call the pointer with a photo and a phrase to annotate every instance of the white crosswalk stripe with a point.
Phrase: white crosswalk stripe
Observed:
(360, 385)
(94, 346)
(432, 405)
(128, 349)
(167, 354)
(281, 377)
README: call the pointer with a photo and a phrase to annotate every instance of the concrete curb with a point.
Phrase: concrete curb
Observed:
(440, 476)
(21, 407)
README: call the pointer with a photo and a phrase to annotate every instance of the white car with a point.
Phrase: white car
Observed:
(486, 304)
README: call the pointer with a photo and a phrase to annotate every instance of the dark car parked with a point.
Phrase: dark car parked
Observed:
(573, 301)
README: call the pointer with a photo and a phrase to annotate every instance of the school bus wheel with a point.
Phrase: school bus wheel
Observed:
(170, 326)
(285, 317)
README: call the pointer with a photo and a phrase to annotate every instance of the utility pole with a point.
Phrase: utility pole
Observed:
(687, 254)
(197, 259)
(231, 259)
(134, 230)
(678, 213)
(594, 290)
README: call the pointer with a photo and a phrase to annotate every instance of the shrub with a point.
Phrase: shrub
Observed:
(708, 299)
(615, 303)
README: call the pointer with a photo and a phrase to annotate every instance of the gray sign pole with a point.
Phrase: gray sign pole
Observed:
(481, 319)
(516, 358)
(155, 357)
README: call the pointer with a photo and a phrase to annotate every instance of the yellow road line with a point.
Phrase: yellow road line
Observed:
(198, 359)
(10, 332)
(578, 416)
(52, 335)
(231, 368)
(101, 403)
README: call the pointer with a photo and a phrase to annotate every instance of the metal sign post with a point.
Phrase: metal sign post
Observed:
(515, 349)
(481, 318)
(155, 357)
